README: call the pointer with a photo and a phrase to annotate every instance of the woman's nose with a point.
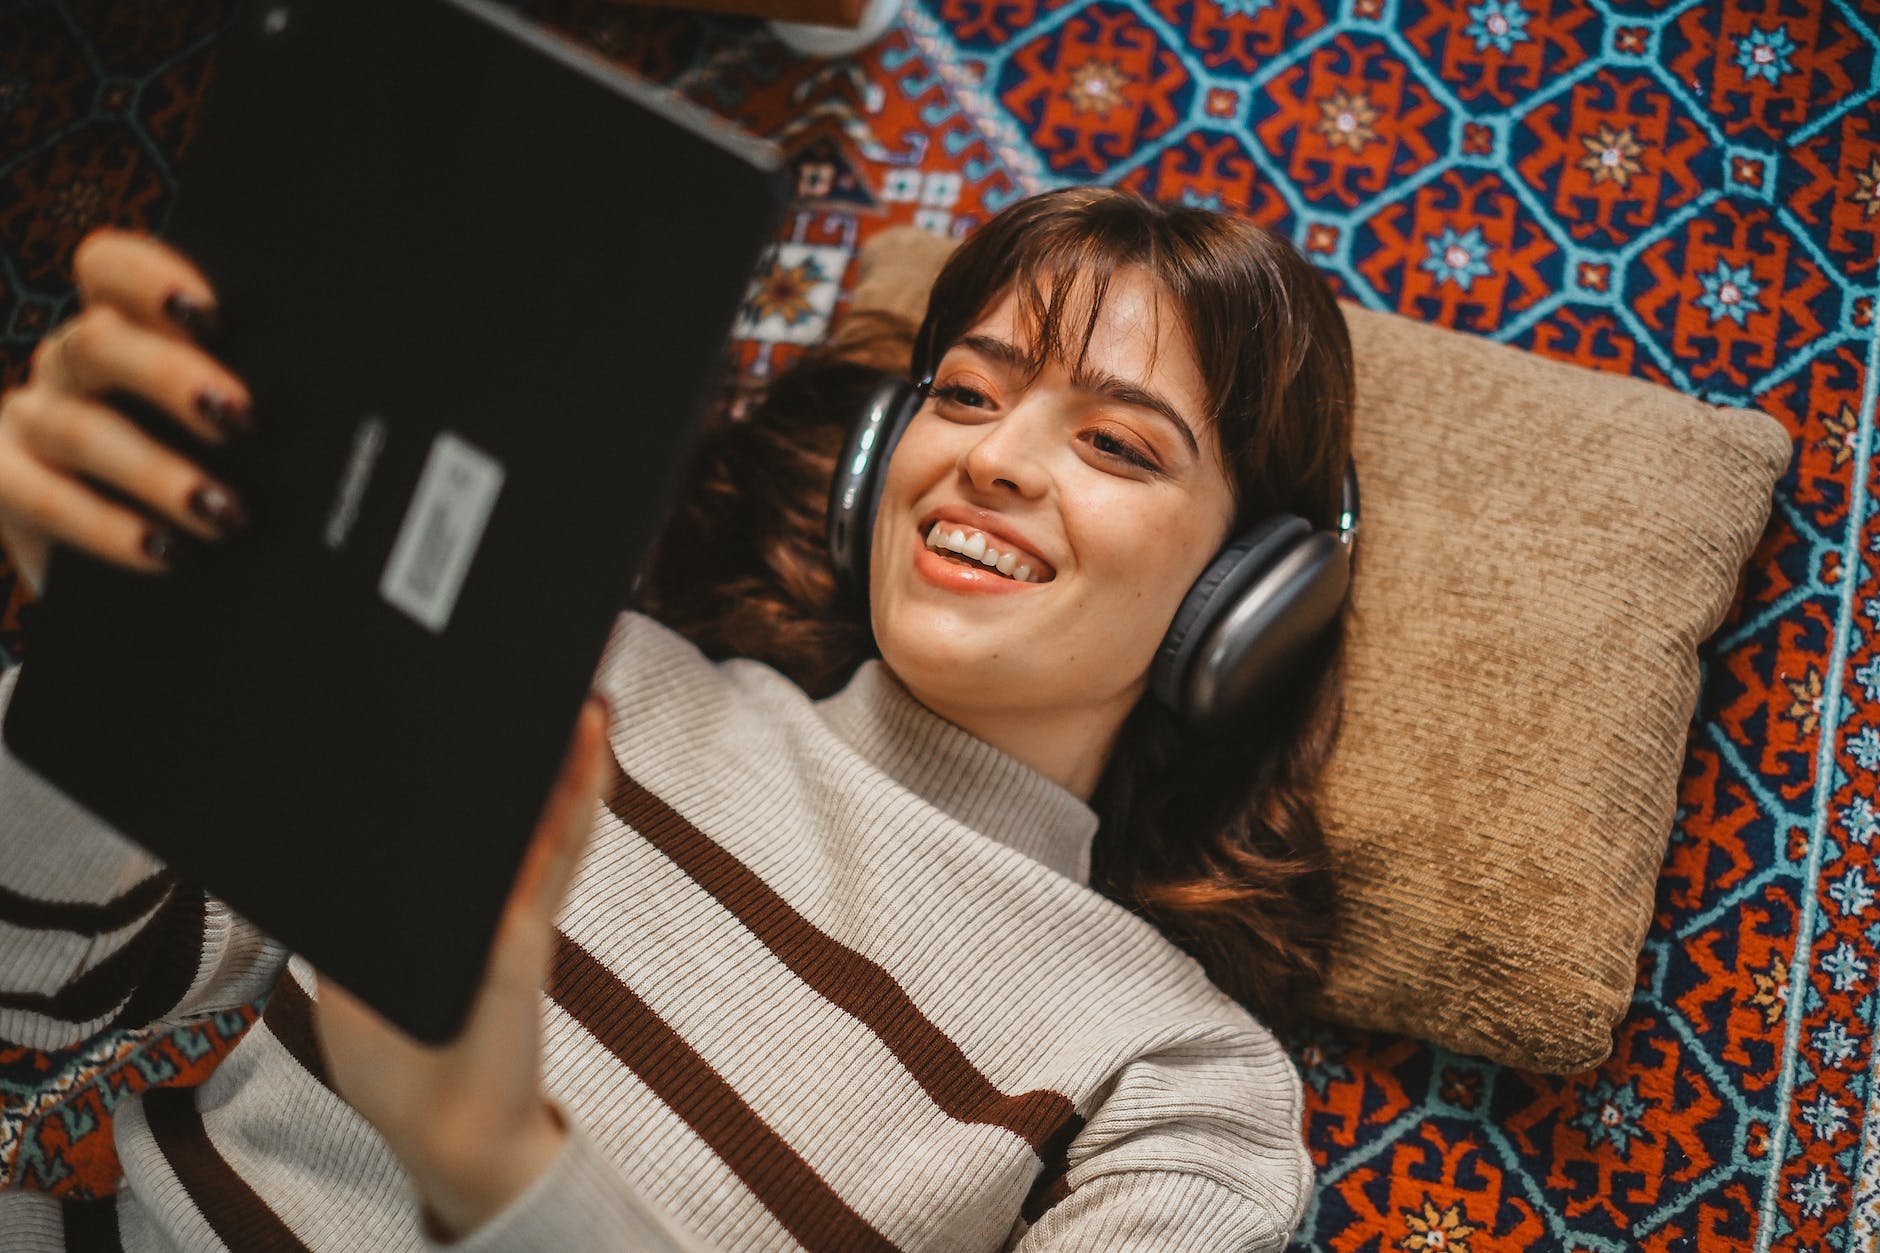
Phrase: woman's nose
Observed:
(1009, 453)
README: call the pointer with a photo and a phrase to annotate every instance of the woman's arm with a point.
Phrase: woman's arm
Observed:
(95, 934)
(1197, 1146)
(495, 1164)
(1158, 1211)
(580, 1202)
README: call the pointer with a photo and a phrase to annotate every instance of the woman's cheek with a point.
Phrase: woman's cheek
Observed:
(922, 457)
(1153, 553)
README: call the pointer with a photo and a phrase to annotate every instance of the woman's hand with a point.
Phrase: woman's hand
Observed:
(143, 309)
(468, 1119)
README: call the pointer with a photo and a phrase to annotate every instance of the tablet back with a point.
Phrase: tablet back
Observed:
(480, 285)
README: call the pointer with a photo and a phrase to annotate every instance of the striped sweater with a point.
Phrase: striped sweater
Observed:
(831, 976)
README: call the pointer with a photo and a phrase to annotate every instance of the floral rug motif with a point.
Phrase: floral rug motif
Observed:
(1683, 190)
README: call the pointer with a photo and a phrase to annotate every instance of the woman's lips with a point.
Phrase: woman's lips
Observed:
(993, 531)
(957, 576)
(975, 545)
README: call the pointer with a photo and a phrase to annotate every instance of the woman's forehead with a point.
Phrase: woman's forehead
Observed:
(1129, 327)
(1128, 319)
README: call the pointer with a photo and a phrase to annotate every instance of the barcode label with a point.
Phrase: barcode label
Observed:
(442, 527)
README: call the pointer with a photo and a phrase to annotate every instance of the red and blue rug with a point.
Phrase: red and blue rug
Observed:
(1683, 190)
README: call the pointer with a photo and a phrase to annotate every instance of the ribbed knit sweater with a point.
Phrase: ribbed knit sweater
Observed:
(831, 976)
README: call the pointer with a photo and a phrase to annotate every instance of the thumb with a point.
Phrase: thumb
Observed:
(561, 834)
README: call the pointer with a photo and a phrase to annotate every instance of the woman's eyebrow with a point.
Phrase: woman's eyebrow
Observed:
(1087, 379)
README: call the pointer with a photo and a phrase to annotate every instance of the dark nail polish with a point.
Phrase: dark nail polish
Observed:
(160, 545)
(195, 318)
(216, 507)
(222, 413)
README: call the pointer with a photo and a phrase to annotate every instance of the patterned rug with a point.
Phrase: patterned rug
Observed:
(1684, 191)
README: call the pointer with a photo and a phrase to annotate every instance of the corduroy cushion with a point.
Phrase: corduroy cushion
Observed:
(1543, 549)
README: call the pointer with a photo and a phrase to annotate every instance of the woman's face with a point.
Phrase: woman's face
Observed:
(1104, 487)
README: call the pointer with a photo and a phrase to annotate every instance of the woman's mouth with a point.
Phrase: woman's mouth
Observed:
(970, 548)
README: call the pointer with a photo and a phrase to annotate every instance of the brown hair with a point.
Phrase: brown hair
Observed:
(1212, 837)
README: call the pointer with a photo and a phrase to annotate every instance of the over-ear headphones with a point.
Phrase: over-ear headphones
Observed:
(1251, 616)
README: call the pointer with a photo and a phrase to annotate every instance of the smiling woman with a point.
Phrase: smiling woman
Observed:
(1115, 388)
(1080, 464)
(883, 945)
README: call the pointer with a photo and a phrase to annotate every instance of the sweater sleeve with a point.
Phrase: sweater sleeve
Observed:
(1197, 1146)
(581, 1201)
(95, 934)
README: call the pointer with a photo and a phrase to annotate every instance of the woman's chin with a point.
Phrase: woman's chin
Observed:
(954, 659)
(949, 664)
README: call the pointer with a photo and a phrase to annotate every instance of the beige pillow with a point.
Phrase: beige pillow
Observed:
(1543, 549)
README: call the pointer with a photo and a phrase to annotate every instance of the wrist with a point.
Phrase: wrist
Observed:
(462, 1186)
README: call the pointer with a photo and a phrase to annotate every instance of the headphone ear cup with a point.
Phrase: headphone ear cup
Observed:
(861, 472)
(1215, 592)
(1267, 630)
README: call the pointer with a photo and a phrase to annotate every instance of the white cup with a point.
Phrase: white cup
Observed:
(810, 40)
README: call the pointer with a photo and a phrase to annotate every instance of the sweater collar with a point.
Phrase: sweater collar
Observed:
(961, 775)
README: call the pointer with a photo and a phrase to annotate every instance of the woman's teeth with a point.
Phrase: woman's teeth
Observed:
(973, 546)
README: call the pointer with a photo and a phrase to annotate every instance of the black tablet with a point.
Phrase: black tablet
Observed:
(480, 284)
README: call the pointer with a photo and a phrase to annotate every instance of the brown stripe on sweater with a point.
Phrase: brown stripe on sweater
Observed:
(158, 962)
(789, 1187)
(176, 957)
(30, 913)
(1052, 1186)
(91, 1226)
(289, 1016)
(233, 1210)
(845, 977)
(1053, 1183)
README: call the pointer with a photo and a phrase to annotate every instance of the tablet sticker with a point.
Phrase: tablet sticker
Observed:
(442, 527)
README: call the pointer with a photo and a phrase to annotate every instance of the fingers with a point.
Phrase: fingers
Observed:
(147, 281)
(103, 350)
(92, 439)
(570, 812)
(43, 501)
(561, 836)
(63, 450)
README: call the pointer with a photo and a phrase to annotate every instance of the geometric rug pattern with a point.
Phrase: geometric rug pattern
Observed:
(1687, 191)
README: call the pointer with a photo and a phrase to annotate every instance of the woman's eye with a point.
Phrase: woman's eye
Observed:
(1110, 446)
(959, 395)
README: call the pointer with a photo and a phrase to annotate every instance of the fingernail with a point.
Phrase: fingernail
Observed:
(604, 705)
(162, 546)
(195, 318)
(218, 508)
(222, 413)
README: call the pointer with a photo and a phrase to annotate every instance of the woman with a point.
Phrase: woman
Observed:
(909, 966)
